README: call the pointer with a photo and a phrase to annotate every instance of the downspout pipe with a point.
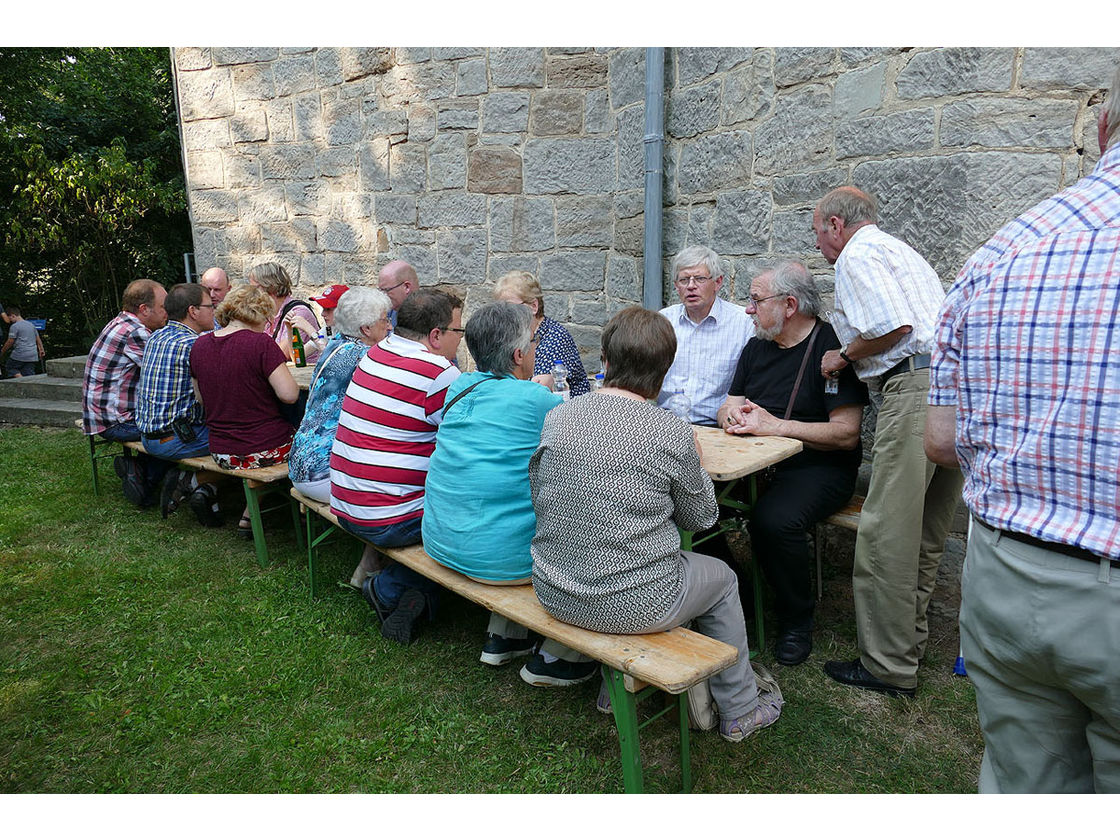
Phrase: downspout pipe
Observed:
(654, 148)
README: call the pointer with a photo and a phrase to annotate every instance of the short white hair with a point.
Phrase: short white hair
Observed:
(360, 307)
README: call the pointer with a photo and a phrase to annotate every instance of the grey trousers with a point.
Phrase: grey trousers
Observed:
(1040, 633)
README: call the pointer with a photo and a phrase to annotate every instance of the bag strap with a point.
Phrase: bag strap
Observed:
(288, 307)
(801, 370)
(464, 392)
(322, 365)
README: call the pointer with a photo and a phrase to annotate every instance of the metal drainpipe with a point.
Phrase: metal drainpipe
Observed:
(654, 145)
(186, 168)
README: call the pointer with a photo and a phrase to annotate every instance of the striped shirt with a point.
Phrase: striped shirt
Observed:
(112, 374)
(387, 431)
(1028, 349)
(883, 284)
(707, 354)
(165, 392)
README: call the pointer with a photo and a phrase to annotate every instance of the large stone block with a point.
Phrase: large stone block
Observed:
(444, 53)
(296, 235)
(343, 123)
(697, 63)
(556, 112)
(748, 90)
(238, 239)
(278, 115)
(1089, 145)
(793, 231)
(447, 162)
(517, 67)
(337, 162)
(328, 67)
(597, 113)
(858, 91)
(470, 77)
(569, 166)
(294, 75)
(307, 117)
(631, 147)
(945, 207)
(674, 231)
(308, 198)
(421, 122)
(1037, 123)
(799, 134)
(945, 72)
(408, 235)
(742, 222)
(505, 111)
(629, 236)
(352, 206)
(205, 94)
(573, 271)
(373, 167)
(593, 312)
(807, 186)
(694, 110)
(211, 207)
(521, 224)
(459, 116)
(205, 169)
(518, 262)
(714, 162)
(1079, 68)
(339, 235)
(584, 221)
(904, 131)
(192, 58)
(494, 169)
(241, 170)
(312, 270)
(802, 64)
(395, 208)
(628, 203)
(206, 134)
(242, 55)
(850, 56)
(253, 82)
(289, 162)
(700, 220)
(408, 166)
(263, 205)
(412, 55)
(461, 256)
(423, 259)
(389, 122)
(622, 278)
(360, 62)
(452, 211)
(249, 126)
(627, 77)
(587, 70)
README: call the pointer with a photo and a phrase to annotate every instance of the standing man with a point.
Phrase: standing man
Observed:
(111, 377)
(216, 282)
(167, 412)
(778, 389)
(23, 342)
(398, 280)
(886, 305)
(711, 333)
(1025, 393)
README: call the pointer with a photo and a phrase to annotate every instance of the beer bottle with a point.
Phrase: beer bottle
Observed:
(298, 358)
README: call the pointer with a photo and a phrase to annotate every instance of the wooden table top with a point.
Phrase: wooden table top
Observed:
(302, 375)
(728, 457)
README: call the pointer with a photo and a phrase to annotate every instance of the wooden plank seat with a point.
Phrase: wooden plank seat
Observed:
(633, 666)
(847, 517)
(257, 483)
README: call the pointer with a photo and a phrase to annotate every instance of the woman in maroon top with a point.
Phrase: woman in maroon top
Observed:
(240, 377)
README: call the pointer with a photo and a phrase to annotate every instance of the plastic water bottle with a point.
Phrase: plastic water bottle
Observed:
(597, 382)
(680, 405)
(560, 380)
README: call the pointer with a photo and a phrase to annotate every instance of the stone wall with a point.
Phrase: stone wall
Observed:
(469, 162)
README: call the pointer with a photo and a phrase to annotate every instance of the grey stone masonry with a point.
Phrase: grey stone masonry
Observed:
(471, 161)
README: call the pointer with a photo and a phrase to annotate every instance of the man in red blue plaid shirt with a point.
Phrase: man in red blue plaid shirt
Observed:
(111, 377)
(1025, 394)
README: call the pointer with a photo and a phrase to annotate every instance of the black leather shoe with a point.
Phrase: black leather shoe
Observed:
(132, 482)
(854, 674)
(793, 647)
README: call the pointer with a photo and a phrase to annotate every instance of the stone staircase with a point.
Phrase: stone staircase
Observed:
(50, 399)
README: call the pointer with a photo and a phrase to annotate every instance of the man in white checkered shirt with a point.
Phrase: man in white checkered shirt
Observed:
(887, 301)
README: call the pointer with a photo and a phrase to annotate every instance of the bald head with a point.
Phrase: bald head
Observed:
(216, 282)
(398, 280)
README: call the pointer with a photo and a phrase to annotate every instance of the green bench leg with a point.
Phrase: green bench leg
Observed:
(686, 749)
(625, 707)
(293, 505)
(252, 501)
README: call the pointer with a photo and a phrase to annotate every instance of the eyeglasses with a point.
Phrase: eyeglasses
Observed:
(685, 282)
(459, 330)
(755, 301)
(392, 287)
(206, 306)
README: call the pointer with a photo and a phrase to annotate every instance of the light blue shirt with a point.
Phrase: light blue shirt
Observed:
(707, 354)
(478, 514)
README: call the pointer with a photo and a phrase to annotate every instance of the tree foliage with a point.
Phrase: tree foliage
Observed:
(91, 183)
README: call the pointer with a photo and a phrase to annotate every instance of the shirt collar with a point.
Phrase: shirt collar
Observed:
(1110, 159)
(718, 310)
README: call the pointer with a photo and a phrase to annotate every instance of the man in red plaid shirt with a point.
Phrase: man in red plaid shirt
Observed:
(112, 375)
(1025, 394)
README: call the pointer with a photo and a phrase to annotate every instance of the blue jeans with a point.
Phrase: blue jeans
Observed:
(394, 580)
(173, 449)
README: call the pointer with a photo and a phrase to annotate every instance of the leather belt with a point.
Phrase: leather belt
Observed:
(1057, 548)
(910, 363)
(159, 435)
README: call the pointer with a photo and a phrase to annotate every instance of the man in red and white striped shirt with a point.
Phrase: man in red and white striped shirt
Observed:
(386, 434)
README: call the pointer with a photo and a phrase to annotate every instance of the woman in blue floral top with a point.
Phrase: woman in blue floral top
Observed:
(360, 321)
(553, 340)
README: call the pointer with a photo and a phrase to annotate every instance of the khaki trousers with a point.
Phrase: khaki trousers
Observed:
(901, 536)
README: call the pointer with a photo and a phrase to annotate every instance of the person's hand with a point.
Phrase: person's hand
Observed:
(755, 421)
(302, 324)
(832, 364)
(544, 379)
(735, 417)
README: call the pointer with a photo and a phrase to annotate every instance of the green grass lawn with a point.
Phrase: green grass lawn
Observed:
(142, 655)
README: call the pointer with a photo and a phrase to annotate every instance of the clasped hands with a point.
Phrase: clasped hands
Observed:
(751, 419)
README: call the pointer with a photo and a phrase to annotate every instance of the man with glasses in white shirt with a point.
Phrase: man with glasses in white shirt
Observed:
(398, 280)
(711, 334)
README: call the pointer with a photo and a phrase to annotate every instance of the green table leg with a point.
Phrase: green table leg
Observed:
(252, 501)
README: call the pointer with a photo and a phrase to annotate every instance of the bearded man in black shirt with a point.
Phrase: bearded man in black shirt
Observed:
(778, 389)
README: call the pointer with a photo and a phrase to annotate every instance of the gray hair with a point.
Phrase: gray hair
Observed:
(850, 204)
(1112, 108)
(360, 307)
(793, 279)
(495, 331)
(696, 255)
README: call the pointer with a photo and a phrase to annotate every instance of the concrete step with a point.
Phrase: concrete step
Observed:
(22, 412)
(42, 387)
(72, 367)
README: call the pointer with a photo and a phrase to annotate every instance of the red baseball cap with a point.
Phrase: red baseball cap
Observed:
(329, 298)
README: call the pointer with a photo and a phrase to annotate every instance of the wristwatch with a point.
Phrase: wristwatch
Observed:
(844, 355)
